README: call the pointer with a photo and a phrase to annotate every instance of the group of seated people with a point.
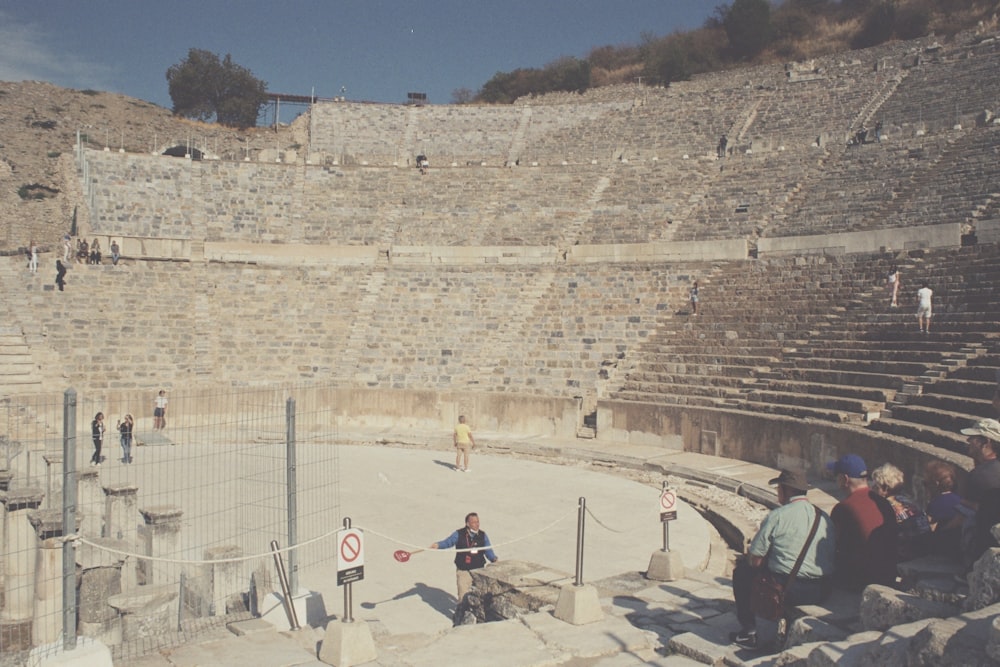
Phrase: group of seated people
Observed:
(91, 253)
(88, 253)
(874, 528)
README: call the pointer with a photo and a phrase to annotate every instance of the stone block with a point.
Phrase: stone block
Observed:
(891, 649)
(579, 605)
(983, 588)
(993, 645)
(883, 607)
(953, 642)
(809, 629)
(846, 653)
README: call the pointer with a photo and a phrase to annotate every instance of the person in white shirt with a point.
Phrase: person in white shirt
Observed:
(924, 295)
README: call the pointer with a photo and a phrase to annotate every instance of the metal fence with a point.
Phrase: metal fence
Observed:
(169, 536)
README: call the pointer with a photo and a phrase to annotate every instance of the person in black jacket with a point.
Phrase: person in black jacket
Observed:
(60, 275)
(97, 431)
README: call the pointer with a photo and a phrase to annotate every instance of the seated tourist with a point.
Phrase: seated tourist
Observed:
(982, 487)
(82, 251)
(776, 548)
(914, 528)
(95, 252)
(865, 529)
(943, 509)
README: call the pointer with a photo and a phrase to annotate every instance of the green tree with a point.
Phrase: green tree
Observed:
(205, 88)
(748, 26)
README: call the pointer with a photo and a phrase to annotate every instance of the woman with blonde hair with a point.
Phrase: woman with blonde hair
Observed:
(888, 481)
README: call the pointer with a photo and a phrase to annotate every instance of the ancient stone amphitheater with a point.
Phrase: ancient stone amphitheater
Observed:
(537, 275)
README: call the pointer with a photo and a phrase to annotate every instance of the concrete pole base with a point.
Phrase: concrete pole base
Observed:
(347, 644)
(665, 566)
(579, 605)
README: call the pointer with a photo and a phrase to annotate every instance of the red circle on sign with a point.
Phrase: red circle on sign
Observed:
(350, 547)
(668, 500)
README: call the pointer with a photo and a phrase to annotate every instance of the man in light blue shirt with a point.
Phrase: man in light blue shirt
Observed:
(777, 546)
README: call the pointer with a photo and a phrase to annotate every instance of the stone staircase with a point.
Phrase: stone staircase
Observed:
(517, 142)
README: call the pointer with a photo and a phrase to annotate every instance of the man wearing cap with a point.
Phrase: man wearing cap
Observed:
(983, 443)
(865, 526)
(777, 546)
(982, 487)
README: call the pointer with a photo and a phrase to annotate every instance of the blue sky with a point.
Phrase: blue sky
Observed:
(377, 50)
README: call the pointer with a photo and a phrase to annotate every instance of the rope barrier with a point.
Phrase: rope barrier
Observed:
(492, 546)
(601, 523)
(182, 561)
(79, 539)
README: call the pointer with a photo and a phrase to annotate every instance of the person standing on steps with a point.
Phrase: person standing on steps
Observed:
(893, 279)
(473, 549)
(60, 275)
(464, 442)
(160, 411)
(33, 257)
(694, 298)
(125, 429)
(97, 432)
(924, 295)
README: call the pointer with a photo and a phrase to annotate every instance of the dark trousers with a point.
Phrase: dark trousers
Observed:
(802, 591)
(96, 458)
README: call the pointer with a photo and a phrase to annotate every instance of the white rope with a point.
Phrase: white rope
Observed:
(416, 547)
(238, 559)
(182, 561)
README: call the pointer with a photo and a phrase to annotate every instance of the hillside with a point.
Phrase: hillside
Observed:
(38, 129)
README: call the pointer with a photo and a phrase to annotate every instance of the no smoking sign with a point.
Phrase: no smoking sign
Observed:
(668, 505)
(350, 556)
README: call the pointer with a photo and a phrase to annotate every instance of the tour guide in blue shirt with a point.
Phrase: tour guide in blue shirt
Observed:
(776, 547)
(472, 550)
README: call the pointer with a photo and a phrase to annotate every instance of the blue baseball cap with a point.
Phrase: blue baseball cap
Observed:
(851, 465)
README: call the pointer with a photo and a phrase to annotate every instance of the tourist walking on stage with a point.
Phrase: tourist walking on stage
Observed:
(473, 549)
(924, 295)
(97, 432)
(464, 442)
(893, 280)
(160, 411)
(125, 427)
(694, 298)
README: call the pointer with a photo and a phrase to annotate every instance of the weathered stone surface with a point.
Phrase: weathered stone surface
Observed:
(810, 629)
(883, 607)
(993, 645)
(890, 650)
(984, 581)
(847, 652)
(953, 642)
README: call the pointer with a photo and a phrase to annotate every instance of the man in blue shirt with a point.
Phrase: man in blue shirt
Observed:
(777, 546)
(473, 549)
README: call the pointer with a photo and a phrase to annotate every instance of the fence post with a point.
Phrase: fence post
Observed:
(69, 520)
(580, 521)
(290, 476)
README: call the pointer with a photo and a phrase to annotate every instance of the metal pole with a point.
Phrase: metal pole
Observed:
(580, 514)
(69, 520)
(348, 618)
(666, 527)
(293, 619)
(292, 491)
